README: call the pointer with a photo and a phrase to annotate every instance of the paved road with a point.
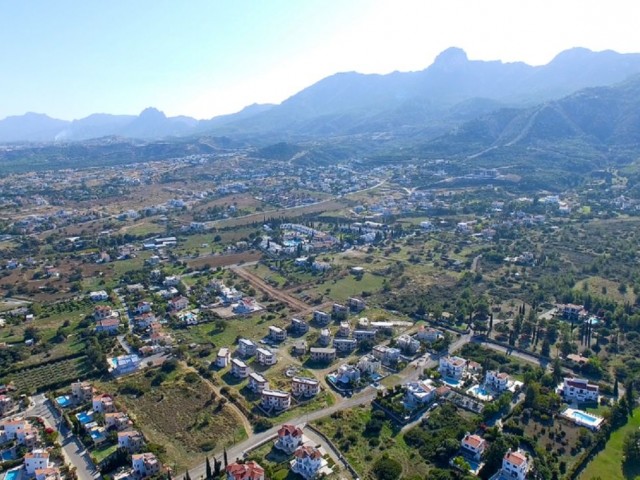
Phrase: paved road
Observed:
(72, 448)
(366, 396)
(237, 451)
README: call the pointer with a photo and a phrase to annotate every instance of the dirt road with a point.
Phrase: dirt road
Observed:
(257, 282)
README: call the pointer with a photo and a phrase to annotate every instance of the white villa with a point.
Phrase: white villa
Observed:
(345, 345)
(369, 364)
(306, 387)
(103, 404)
(408, 344)
(308, 462)
(277, 334)
(36, 460)
(257, 382)
(289, 438)
(275, 399)
(579, 390)
(428, 334)
(515, 466)
(145, 465)
(223, 358)
(497, 381)
(419, 394)
(473, 446)
(239, 368)
(130, 440)
(265, 357)
(245, 471)
(452, 367)
(323, 354)
(299, 326)
(387, 355)
(246, 347)
(321, 318)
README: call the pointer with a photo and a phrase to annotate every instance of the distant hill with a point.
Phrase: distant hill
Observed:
(408, 105)
(30, 126)
(600, 117)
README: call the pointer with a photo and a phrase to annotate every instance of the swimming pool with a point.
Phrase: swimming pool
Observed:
(97, 435)
(84, 417)
(452, 382)
(12, 474)
(583, 418)
(480, 392)
(63, 401)
(7, 455)
(291, 243)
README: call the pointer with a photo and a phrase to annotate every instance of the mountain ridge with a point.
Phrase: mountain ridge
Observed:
(429, 102)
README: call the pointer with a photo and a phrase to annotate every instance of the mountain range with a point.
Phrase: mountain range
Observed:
(420, 105)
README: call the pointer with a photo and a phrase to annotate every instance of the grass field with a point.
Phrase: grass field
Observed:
(184, 417)
(103, 452)
(598, 285)
(350, 286)
(608, 464)
(253, 327)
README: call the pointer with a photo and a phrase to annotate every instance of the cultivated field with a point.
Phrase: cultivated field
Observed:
(32, 379)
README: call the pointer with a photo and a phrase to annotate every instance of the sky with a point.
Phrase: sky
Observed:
(204, 58)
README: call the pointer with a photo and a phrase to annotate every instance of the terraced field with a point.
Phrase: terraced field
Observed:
(33, 379)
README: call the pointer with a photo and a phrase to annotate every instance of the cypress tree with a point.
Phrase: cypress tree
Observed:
(226, 460)
(208, 472)
(631, 401)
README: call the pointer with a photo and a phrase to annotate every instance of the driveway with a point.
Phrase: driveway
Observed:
(73, 450)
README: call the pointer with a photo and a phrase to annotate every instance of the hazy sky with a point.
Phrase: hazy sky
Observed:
(208, 57)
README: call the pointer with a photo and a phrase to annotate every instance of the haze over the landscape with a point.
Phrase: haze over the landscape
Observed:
(202, 59)
(338, 240)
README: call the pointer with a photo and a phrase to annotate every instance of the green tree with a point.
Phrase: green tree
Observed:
(386, 468)
(631, 448)
(545, 350)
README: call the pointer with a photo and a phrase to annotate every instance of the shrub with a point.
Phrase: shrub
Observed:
(386, 468)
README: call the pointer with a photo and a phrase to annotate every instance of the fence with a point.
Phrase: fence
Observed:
(344, 461)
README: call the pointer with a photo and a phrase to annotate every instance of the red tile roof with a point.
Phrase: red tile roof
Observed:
(245, 471)
(473, 440)
(306, 451)
(515, 458)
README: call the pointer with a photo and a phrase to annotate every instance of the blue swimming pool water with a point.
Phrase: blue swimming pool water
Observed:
(12, 474)
(95, 435)
(451, 381)
(375, 376)
(479, 390)
(84, 417)
(584, 417)
(332, 378)
(63, 401)
(6, 455)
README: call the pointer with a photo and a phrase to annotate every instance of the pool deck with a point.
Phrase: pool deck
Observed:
(570, 414)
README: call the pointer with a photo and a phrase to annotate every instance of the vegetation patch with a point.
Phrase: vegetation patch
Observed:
(181, 413)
